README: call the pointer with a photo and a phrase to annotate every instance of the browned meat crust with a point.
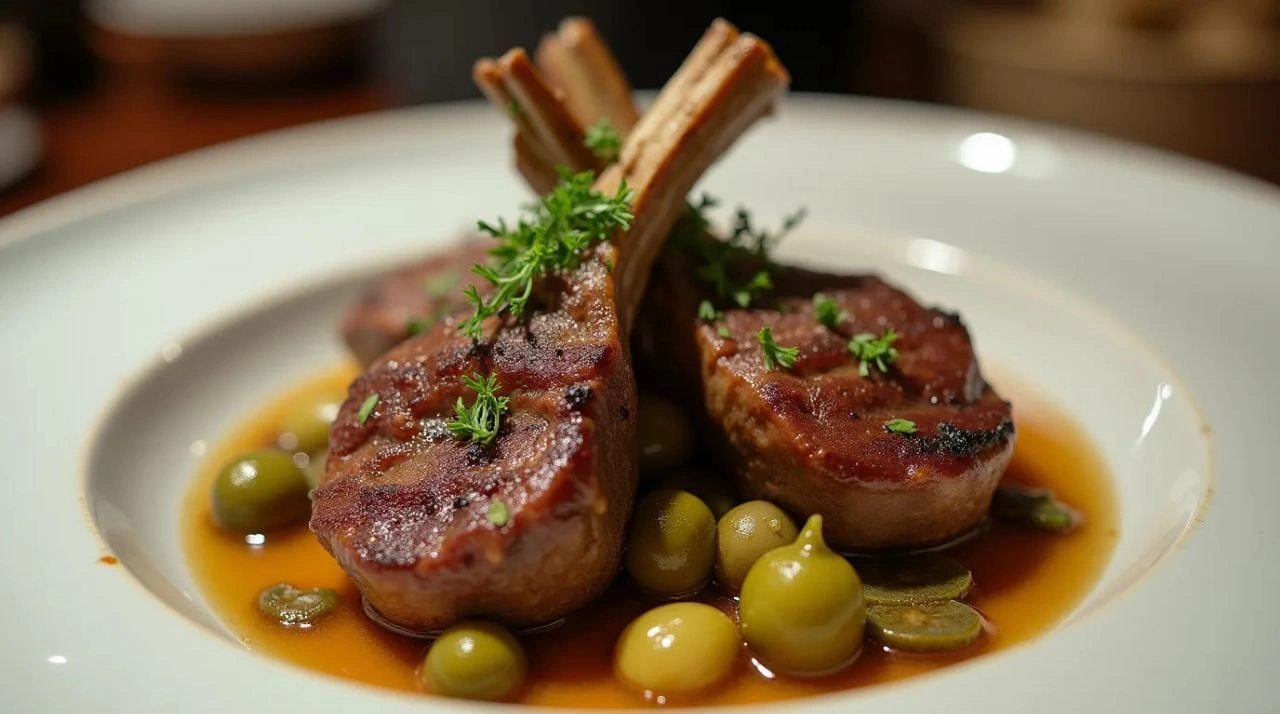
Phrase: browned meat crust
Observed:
(411, 300)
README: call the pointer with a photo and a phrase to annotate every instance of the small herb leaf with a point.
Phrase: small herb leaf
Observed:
(603, 140)
(872, 350)
(708, 312)
(828, 311)
(480, 421)
(775, 355)
(366, 408)
(900, 426)
(499, 514)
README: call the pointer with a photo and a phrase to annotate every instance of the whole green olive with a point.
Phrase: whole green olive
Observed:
(664, 433)
(716, 492)
(801, 608)
(306, 424)
(744, 534)
(675, 649)
(259, 491)
(672, 544)
(474, 660)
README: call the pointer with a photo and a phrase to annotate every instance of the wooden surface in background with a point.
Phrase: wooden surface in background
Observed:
(130, 119)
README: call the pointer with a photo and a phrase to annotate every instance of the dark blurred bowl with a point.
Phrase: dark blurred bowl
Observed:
(1211, 90)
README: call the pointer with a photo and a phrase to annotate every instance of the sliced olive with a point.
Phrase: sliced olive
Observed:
(714, 491)
(801, 609)
(306, 424)
(260, 491)
(1034, 508)
(745, 533)
(672, 544)
(664, 432)
(474, 660)
(677, 649)
(925, 627)
(913, 579)
(293, 607)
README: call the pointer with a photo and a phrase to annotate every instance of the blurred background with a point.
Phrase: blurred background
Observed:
(89, 88)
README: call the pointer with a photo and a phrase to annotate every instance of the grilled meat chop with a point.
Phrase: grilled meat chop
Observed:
(407, 509)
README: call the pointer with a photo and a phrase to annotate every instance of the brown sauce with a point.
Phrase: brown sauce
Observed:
(1026, 581)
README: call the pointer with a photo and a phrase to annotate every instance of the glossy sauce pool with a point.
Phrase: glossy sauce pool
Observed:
(1025, 581)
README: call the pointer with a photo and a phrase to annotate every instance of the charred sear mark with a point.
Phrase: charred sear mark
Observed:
(461, 502)
(478, 454)
(955, 441)
(577, 395)
(625, 412)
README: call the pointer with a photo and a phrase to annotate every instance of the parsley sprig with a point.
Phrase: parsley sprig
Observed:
(603, 140)
(775, 355)
(480, 421)
(872, 350)
(717, 258)
(551, 236)
(828, 311)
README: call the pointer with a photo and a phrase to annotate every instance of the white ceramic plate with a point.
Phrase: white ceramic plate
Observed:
(140, 317)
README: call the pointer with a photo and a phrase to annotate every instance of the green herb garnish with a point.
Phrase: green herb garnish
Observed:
(828, 311)
(499, 514)
(367, 407)
(774, 354)
(513, 110)
(708, 312)
(759, 282)
(900, 426)
(551, 236)
(717, 258)
(415, 326)
(869, 350)
(723, 332)
(480, 421)
(603, 140)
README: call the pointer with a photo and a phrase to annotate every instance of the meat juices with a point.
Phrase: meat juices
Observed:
(404, 506)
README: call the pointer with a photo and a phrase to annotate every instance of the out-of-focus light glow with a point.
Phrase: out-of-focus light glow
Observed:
(933, 255)
(57, 659)
(987, 152)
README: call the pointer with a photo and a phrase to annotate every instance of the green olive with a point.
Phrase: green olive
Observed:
(925, 627)
(928, 577)
(672, 544)
(677, 649)
(744, 534)
(474, 660)
(260, 491)
(306, 424)
(292, 607)
(664, 433)
(717, 493)
(801, 608)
